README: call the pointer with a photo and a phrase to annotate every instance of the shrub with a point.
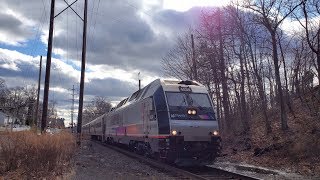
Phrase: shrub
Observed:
(35, 155)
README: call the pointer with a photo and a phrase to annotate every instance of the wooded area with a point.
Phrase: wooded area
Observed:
(249, 63)
(20, 102)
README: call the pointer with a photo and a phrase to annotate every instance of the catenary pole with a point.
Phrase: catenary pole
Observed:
(83, 63)
(139, 81)
(48, 66)
(38, 95)
(72, 108)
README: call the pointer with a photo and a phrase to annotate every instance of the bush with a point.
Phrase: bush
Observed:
(35, 155)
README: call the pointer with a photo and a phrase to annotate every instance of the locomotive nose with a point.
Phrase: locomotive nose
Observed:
(194, 130)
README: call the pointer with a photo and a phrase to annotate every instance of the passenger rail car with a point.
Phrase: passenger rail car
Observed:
(171, 120)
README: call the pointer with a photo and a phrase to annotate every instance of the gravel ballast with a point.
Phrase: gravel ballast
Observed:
(94, 161)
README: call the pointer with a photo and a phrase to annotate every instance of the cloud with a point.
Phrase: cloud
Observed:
(123, 39)
(100, 79)
(112, 87)
(120, 34)
(12, 30)
(19, 22)
(123, 35)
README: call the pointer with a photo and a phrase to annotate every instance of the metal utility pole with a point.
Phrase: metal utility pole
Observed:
(194, 59)
(139, 81)
(83, 67)
(11, 128)
(8, 121)
(38, 95)
(72, 108)
(48, 66)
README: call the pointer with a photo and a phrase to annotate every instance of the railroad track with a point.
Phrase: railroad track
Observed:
(215, 173)
(201, 173)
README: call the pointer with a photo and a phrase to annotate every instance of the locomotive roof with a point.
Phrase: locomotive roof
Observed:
(158, 82)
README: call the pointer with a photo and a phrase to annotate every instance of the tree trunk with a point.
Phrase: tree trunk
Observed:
(222, 124)
(284, 124)
(225, 95)
(244, 111)
(318, 61)
(249, 87)
(287, 95)
(318, 69)
(262, 94)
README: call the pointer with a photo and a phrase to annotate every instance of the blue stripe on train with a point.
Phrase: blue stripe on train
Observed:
(162, 111)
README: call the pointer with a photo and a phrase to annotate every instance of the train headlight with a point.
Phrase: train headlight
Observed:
(192, 112)
(215, 133)
(174, 132)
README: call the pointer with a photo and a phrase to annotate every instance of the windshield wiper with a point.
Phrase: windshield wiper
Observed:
(182, 103)
(191, 101)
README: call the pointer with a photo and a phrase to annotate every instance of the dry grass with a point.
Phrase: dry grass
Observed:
(33, 156)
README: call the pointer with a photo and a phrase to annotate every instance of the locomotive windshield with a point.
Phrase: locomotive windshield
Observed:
(190, 99)
(179, 103)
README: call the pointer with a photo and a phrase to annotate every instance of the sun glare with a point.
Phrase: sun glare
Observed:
(184, 5)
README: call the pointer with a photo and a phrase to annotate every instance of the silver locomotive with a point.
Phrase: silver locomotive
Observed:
(171, 120)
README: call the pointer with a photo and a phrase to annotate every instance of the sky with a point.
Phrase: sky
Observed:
(124, 37)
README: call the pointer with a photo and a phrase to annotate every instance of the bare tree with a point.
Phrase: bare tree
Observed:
(178, 61)
(239, 50)
(3, 93)
(271, 14)
(214, 32)
(97, 107)
(311, 10)
(19, 102)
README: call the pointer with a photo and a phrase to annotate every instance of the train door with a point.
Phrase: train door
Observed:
(147, 107)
